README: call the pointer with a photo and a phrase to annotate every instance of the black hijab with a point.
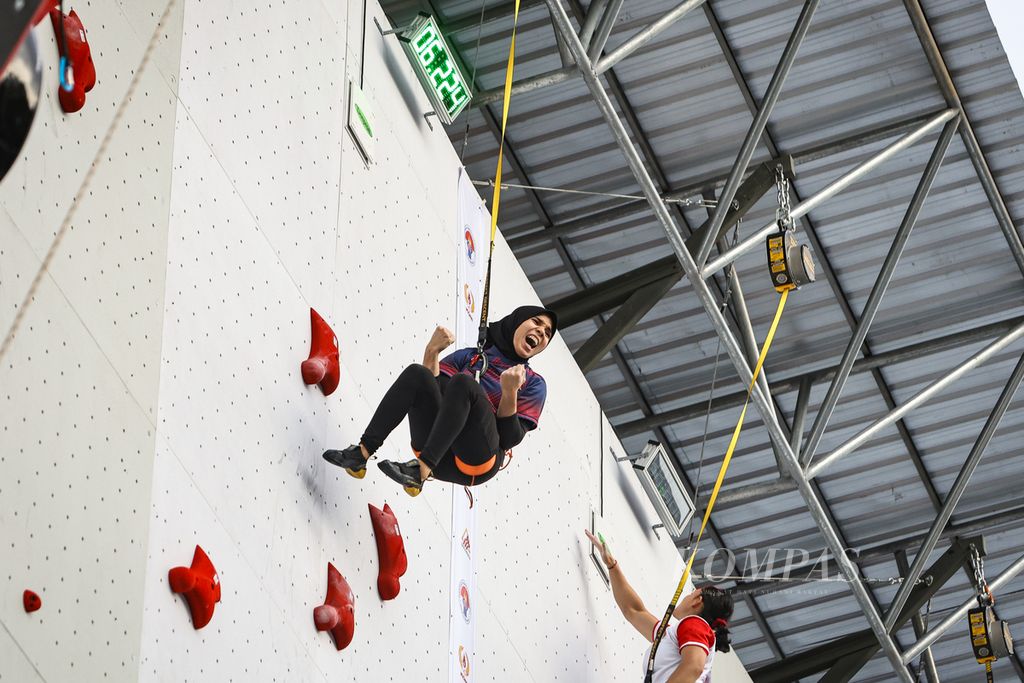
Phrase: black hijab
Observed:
(501, 332)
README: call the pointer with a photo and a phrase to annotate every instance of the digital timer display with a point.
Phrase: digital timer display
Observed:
(436, 68)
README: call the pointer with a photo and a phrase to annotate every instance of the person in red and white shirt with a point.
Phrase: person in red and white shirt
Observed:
(688, 648)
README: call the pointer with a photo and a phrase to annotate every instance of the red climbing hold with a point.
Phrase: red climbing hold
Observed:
(82, 71)
(200, 585)
(31, 601)
(322, 365)
(390, 551)
(337, 614)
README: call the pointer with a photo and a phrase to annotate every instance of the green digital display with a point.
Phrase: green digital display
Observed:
(436, 68)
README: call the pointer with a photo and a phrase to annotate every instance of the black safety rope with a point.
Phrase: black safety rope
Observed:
(726, 296)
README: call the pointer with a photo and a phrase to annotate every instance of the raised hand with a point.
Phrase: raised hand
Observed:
(513, 378)
(440, 340)
(606, 555)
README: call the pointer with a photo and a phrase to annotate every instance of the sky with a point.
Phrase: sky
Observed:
(1008, 16)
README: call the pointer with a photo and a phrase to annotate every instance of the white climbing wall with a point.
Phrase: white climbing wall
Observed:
(79, 385)
(153, 400)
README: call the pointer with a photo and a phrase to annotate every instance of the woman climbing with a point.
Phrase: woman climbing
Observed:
(689, 647)
(460, 429)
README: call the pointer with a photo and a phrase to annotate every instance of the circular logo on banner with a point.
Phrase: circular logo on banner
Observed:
(464, 663)
(470, 247)
(464, 600)
(467, 294)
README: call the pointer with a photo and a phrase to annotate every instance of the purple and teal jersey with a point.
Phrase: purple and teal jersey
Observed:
(531, 395)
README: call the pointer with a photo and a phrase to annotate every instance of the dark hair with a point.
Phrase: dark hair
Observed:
(717, 611)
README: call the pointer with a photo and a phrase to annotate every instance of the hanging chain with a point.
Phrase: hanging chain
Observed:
(783, 214)
(984, 594)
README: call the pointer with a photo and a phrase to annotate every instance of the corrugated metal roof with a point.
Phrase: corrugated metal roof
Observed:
(861, 68)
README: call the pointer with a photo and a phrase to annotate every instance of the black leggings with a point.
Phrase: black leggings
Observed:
(446, 416)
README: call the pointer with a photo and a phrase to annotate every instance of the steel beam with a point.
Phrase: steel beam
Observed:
(750, 191)
(862, 645)
(883, 552)
(920, 627)
(589, 25)
(587, 30)
(590, 220)
(974, 151)
(563, 51)
(803, 397)
(645, 35)
(936, 632)
(604, 29)
(829, 191)
(606, 295)
(967, 528)
(862, 137)
(732, 347)
(847, 666)
(696, 186)
(824, 262)
(959, 486)
(867, 316)
(758, 491)
(621, 322)
(757, 126)
(920, 398)
(778, 386)
(485, 97)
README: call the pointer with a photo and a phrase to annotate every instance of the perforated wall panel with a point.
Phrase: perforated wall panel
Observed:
(79, 385)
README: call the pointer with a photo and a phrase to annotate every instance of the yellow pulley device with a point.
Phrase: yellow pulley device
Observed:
(790, 264)
(990, 637)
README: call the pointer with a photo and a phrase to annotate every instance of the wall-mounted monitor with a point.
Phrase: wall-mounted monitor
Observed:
(665, 489)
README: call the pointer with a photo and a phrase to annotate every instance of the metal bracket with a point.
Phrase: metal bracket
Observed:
(788, 166)
(398, 31)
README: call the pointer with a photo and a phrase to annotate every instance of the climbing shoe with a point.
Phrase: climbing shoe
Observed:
(405, 473)
(351, 459)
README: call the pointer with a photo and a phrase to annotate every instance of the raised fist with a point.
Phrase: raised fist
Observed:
(441, 339)
(513, 378)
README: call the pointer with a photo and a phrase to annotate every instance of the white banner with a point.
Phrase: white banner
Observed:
(474, 224)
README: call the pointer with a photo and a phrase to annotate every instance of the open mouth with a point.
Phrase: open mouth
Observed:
(532, 342)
